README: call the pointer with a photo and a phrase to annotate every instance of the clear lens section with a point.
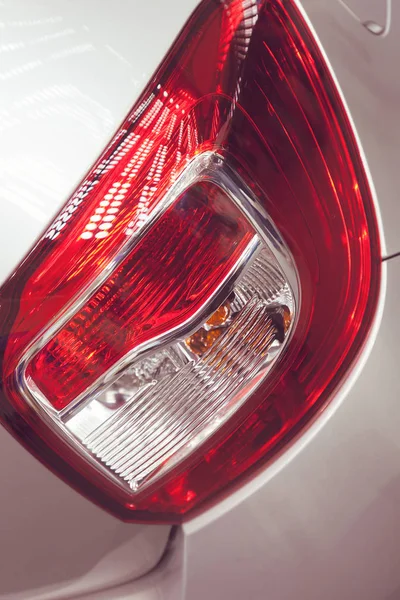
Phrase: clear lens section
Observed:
(141, 374)
(178, 399)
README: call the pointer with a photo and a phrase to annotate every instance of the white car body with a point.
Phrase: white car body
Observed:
(320, 521)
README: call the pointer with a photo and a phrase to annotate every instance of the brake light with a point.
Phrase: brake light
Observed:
(167, 277)
(209, 283)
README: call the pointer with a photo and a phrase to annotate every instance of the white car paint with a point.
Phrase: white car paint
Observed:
(70, 70)
(373, 14)
(319, 522)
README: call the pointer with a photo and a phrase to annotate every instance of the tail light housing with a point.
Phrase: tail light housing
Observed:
(210, 282)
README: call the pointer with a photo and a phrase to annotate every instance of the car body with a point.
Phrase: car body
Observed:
(321, 518)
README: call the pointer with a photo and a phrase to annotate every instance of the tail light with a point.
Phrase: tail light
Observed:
(210, 282)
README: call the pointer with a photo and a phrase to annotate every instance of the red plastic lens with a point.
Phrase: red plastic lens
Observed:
(246, 80)
(167, 277)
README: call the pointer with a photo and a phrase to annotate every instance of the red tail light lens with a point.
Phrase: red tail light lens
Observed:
(161, 284)
(211, 281)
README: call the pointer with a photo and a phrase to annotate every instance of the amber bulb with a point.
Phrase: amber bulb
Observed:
(287, 318)
(202, 340)
(220, 316)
